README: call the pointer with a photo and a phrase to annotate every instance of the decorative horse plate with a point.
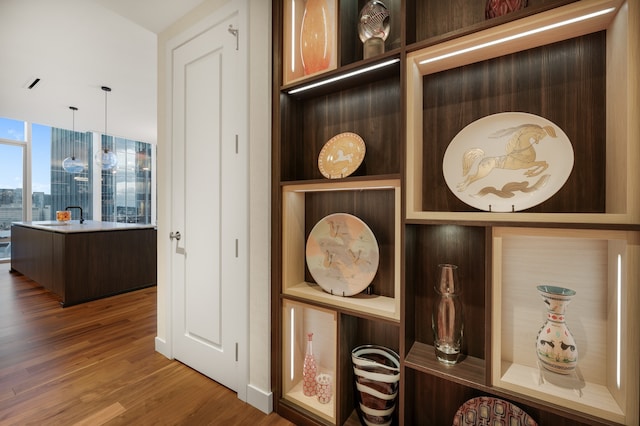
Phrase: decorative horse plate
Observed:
(342, 254)
(508, 162)
(341, 155)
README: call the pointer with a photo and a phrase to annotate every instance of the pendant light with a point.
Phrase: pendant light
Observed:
(105, 158)
(73, 164)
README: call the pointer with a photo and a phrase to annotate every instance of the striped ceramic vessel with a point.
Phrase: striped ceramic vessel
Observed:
(376, 372)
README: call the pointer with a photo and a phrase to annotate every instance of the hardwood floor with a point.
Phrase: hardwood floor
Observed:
(95, 364)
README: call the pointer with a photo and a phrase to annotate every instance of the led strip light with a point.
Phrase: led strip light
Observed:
(519, 35)
(344, 76)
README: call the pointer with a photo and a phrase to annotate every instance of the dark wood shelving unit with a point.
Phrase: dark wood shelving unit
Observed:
(582, 77)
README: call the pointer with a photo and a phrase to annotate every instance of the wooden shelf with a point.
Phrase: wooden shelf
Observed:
(446, 67)
(299, 319)
(601, 316)
(468, 57)
(356, 74)
(427, 246)
(363, 304)
(308, 123)
(432, 22)
(470, 371)
(384, 219)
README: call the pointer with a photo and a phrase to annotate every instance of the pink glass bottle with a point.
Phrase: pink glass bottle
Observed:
(309, 369)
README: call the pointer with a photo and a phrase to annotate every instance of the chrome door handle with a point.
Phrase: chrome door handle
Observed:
(175, 235)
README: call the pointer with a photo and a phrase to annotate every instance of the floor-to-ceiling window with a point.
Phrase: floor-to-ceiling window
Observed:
(123, 194)
(67, 189)
(127, 193)
(12, 162)
(41, 208)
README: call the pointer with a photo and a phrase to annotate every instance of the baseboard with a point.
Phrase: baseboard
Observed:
(163, 348)
(263, 401)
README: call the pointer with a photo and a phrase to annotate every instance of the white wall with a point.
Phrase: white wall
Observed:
(259, 387)
(75, 47)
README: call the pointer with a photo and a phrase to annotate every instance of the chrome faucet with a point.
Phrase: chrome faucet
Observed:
(79, 208)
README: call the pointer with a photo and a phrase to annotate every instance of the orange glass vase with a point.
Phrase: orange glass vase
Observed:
(315, 37)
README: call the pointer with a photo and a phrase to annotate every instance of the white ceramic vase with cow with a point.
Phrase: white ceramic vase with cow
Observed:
(555, 345)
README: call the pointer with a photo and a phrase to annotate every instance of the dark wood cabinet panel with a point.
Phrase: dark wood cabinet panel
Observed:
(108, 263)
(34, 255)
(434, 401)
(371, 110)
(463, 246)
(83, 266)
(445, 79)
(434, 21)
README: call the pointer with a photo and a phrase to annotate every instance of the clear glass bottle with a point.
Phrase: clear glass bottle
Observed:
(448, 316)
(309, 369)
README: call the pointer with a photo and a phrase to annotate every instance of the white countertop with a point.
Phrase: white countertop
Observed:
(75, 226)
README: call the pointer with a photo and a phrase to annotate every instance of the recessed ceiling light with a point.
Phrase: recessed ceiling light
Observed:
(33, 83)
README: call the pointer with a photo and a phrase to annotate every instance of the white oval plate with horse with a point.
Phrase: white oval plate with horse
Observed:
(508, 162)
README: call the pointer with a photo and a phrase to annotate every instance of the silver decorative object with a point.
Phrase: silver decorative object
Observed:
(374, 27)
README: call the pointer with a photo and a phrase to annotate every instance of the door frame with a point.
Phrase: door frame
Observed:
(164, 344)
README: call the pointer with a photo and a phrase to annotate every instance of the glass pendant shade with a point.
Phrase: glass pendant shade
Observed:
(73, 164)
(106, 159)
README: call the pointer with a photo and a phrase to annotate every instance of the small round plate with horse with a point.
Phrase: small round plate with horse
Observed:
(508, 162)
(341, 155)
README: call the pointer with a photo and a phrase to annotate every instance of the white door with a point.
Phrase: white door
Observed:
(209, 203)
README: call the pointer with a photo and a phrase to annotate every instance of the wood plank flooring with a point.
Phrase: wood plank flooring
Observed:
(95, 364)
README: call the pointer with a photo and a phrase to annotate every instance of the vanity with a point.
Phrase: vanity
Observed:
(79, 262)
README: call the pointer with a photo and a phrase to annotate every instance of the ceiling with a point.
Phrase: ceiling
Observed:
(76, 46)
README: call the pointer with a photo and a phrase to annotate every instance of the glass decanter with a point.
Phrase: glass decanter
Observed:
(448, 317)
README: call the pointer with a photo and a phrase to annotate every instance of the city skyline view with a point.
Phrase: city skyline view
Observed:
(123, 194)
(11, 161)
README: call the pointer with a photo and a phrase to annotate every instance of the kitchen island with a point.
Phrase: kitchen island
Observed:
(79, 262)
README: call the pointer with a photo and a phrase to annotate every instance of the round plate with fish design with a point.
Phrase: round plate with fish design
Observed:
(342, 254)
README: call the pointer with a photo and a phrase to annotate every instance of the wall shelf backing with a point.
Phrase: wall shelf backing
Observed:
(621, 207)
(295, 232)
(573, 62)
(602, 316)
(300, 319)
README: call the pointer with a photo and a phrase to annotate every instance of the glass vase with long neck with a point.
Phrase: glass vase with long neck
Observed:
(309, 369)
(448, 316)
